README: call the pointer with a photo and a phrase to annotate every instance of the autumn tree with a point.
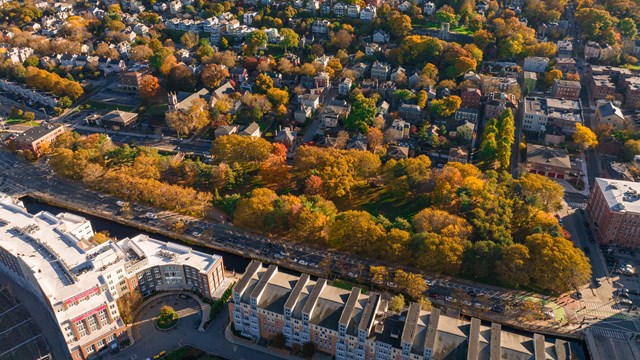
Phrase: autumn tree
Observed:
(379, 274)
(396, 303)
(242, 150)
(400, 25)
(551, 76)
(557, 265)
(437, 253)
(212, 75)
(163, 60)
(141, 53)
(441, 222)
(447, 106)
(585, 137)
(193, 119)
(356, 231)
(149, 87)
(252, 211)
(511, 269)
(278, 96)
(263, 83)
(488, 153)
(540, 192)
(181, 78)
(410, 283)
(374, 138)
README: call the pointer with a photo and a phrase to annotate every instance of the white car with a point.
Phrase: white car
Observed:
(313, 265)
(120, 203)
(302, 262)
(392, 284)
(278, 256)
(466, 303)
(448, 298)
(353, 275)
(196, 234)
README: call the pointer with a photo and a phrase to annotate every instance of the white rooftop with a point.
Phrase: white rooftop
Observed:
(621, 196)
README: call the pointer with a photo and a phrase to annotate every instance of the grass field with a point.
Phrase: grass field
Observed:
(21, 122)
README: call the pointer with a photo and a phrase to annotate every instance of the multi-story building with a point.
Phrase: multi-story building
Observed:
(566, 65)
(37, 138)
(614, 210)
(610, 115)
(566, 89)
(380, 71)
(535, 115)
(631, 87)
(565, 49)
(601, 86)
(535, 64)
(351, 324)
(471, 98)
(54, 258)
(548, 161)
(497, 103)
(564, 113)
(368, 13)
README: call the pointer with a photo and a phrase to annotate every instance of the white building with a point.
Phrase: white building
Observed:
(368, 13)
(79, 282)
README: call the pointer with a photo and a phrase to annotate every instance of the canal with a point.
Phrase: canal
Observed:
(231, 261)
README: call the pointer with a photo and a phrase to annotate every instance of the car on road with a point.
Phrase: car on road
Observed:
(120, 203)
(284, 253)
(434, 295)
(449, 299)
(576, 295)
(278, 256)
(196, 234)
(391, 284)
(477, 304)
(101, 196)
(597, 282)
(625, 302)
(429, 282)
(313, 265)
(303, 262)
(497, 309)
(466, 303)
(472, 293)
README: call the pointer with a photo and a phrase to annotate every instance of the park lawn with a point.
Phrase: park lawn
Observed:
(155, 111)
(347, 285)
(377, 201)
(95, 105)
(21, 122)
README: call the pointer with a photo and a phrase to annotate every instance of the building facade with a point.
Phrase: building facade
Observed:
(37, 138)
(54, 258)
(614, 210)
(351, 324)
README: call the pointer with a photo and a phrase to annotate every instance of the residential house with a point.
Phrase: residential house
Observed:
(465, 130)
(340, 9)
(405, 6)
(535, 115)
(535, 64)
(471, 98)
(380, 71)
(239, 74)
(325, 8)
(610, 115)
(368, 13)
(333, 111)
(548, 161)
(252, 130)
(322, 80)
(499, 84)
(358, 142)
(359, 69)
(399, 130)
(225, 130)
(529, 80)
(565, 89)
(458, 154)
(411, 113)
(380, 37)
(320, 26)
(593, 50)
(286, 136)
(345, 86)
(429, 8)
(248, 17)
(371, 49)
(398, 152)
(398, 73)
(310, 100)
(353, 11)
(302, 113)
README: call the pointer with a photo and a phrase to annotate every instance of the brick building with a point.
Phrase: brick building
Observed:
(614, 211)
(601, 86)
(37, 138)
(565, 89)
(471, 98)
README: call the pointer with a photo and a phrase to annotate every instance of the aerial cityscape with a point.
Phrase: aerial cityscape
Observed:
(320, 179)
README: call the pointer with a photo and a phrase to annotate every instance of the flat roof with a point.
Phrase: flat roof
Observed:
(621, 196)
(539, 154)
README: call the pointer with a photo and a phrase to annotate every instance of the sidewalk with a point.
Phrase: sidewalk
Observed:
(228, 335)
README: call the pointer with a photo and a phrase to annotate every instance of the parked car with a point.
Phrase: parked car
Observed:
(577, 295)
(392, 284)
(472, 293)
(303, 263)
(497, 309)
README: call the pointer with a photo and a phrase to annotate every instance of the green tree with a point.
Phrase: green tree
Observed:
(363, 111)
(630, 149)
(506, 134)
(290, 38)
(511, 269)
(628, 28)
(479, 259)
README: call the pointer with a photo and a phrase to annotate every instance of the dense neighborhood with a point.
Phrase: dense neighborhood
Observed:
(492, 143)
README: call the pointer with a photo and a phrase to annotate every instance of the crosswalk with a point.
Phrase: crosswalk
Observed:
(612, 334)
(577, 205)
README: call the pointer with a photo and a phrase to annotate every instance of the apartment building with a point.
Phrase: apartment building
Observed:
(535, 114)
(566, 89)
(497, 103)
(351, 324)
(35, 139)
(601, 86)
(614, 210)
(79, 282)
(631, 87)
